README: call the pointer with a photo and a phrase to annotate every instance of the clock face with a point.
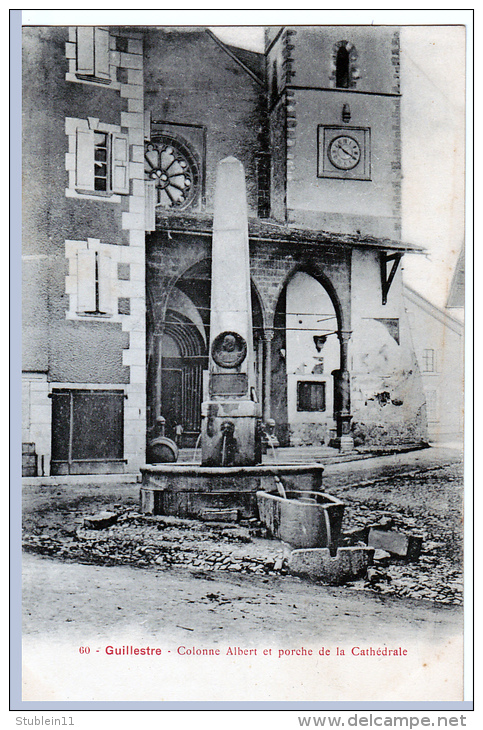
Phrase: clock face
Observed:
(173, 170)
(344, 152)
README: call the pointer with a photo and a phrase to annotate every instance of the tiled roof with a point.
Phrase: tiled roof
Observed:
(262, 229)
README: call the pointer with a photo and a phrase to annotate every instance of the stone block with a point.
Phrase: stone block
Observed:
(135, 46)
(302, 519)
(219, 515)
(382, 557)
(132, 61)
(396, 543)
(135, 76)
(100, 521)
(349, 563)
(132, 220)
(353, 535)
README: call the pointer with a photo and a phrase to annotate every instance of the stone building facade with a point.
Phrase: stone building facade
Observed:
(123, 130)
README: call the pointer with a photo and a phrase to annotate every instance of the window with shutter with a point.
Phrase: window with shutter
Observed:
(119, 156)
(86, 281)
(85, 159)
(101, 161)
(94, 283)
(93, 54)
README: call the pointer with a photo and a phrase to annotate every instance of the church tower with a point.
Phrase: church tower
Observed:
(334, 110)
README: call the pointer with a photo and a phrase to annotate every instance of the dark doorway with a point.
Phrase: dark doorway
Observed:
(87, 431)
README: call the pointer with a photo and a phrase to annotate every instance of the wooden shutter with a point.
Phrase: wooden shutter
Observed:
(86, 281)
(85, 51)
(93, 52)
(101, 53)
(85, 159)
(150, 205)
(105, 282)
(120, 164)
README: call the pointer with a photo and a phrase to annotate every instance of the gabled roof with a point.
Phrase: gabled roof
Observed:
(433, 310)
(456, 296)
(250, 61)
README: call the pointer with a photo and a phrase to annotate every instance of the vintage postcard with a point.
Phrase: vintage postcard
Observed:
(243, 290)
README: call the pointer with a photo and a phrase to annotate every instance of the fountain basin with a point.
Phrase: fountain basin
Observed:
(302, 519)
(187, 490)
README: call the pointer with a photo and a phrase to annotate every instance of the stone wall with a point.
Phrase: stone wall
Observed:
(72, 350)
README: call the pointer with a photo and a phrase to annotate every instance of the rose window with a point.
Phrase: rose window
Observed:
(174, 171)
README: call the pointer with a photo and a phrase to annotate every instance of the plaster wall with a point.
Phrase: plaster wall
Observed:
(310, 313)
(443, 373)
(344, 205)
(387, 400)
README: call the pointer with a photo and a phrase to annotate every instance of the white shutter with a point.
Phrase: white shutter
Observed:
(120, 164)
(149, 205)
(86, 281)
(85, 50)
(105, 282)
(101, 53)
(85, 159)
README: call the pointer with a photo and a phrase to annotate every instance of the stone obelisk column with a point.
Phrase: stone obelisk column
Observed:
(231, 413)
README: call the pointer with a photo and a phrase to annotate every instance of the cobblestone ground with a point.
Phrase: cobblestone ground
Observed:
(427, 503)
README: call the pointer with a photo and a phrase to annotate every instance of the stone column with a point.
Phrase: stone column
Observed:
(342, 397)
(158, 355)
(267, 372)
(260, 369)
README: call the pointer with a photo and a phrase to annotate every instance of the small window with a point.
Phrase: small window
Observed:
(345, 70)
(93, 54)
(310, 396)
(101, 150)
(342, 68)
(429, 364)
(432, 405)
(101, 162)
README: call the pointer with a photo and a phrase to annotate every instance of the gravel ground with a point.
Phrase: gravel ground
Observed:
(424, 502)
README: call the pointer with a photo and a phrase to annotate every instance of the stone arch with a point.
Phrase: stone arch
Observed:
(312, 270)
(185, 330)
(344, 69)
(276, 391)
(203, 266)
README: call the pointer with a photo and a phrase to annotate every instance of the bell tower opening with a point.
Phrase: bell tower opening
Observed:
(342, 68)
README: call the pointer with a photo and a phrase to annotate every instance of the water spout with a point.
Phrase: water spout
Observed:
(223, 448)
(280, 487)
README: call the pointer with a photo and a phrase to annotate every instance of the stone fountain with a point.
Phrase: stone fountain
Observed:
(231, 472)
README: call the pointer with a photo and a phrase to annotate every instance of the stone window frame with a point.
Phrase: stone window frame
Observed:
(81, 284)
(77, 52)
(354, 71)
(80, 133)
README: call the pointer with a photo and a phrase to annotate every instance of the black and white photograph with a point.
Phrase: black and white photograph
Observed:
(243, 351)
